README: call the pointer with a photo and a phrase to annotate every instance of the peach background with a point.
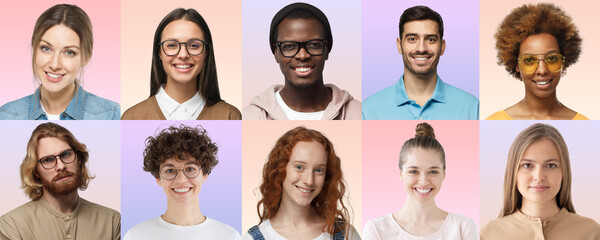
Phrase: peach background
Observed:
(498, 90)
(17, 21)
(343, 68)
(259, 137)
(383, 191)
(139, 21)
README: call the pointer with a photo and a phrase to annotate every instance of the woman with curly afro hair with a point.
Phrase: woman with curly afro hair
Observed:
(302, 191)
(536, 43)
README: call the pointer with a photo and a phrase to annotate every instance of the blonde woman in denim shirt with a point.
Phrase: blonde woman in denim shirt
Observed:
(62, 45)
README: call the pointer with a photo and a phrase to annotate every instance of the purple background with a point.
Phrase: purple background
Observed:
(142, 198)
(382, 65)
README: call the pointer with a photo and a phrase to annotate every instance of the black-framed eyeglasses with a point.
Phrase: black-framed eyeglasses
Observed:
(67, 156)
(193, 47)
(314, 47)
(190, 170)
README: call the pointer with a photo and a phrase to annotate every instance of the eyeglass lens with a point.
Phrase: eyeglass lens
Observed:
(291, 48)
(193, 47)
(169, 172)
(49, 162)
(529, 63)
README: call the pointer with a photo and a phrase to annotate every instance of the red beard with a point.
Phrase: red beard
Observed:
(57, 187)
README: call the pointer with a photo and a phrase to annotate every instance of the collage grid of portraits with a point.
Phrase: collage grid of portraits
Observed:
(364, 59)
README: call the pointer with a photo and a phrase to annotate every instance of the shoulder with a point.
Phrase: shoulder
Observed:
(254, 112)
(580, 117)
(141, 110)
(141, 229)
(384, 95)
(465, 224)
(26, 210)
(582, 223)
(373, 228)
(499, 115)
(222, 111)
(99, 210)
(17, 109)
(352, 233)
(98, 108)
(498, 227)
(221, 229)
(457, 94)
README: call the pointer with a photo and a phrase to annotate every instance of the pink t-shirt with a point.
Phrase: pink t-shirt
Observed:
(454, 227)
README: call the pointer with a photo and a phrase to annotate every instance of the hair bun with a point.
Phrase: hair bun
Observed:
(424, 130)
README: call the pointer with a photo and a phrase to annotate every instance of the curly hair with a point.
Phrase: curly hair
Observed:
(328, 204)
(30, 183)
(531, 19)
(180, 142)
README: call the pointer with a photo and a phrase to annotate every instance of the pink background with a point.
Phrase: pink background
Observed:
(103, 140)
(140, 18)
(259, 137)
(498, 90)
(17, 20)
(343, 68)
(383, 191)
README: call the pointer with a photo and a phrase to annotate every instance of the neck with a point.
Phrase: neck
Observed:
(418, 212)
(311, 99)
(294, 215)
(541, 107)
(57, 102)
(183, 215)
(64, 203)
(420, 87)
(540, 210)
(181, 92)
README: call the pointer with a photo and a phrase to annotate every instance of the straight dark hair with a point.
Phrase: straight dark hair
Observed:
(421, 13)
(206, 81)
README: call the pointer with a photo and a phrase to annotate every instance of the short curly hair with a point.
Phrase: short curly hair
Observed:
(531, 19)
(181, 142)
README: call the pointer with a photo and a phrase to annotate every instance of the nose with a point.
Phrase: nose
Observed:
(423, 178)
(183, 52)
(539, 175)
(308, 178)
(56, 62)
(60, 165)
(180, 177)
(542, 68)
(422, 46)
(302, 53)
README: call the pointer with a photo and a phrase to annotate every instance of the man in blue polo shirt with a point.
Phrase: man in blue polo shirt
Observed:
(420, 93)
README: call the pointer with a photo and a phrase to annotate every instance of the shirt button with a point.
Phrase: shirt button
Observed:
(68, 217)
(69, 236)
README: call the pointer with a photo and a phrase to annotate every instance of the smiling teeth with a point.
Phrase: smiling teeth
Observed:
(304, 190)
(54, 75)
(303, 69)
(421, 59)
(423, 190)
(181, 190)
(542, 82)
(183, 66)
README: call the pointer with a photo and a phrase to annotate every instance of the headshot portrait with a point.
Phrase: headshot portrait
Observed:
(420, 62)
(56, 62)
(422, 183)
(183, 53)
(543, 190)
(300, 40)
(60, 181)
(181, 180)
(304, 185)
(534, 57)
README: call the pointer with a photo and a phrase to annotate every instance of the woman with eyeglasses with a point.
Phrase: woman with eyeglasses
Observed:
(536, 44)
(62, 45)
(422, 170)
(181, 158)
(183, 79)
(537, 191)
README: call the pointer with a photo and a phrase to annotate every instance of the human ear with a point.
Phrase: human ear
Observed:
(443, 47)
(399, 45)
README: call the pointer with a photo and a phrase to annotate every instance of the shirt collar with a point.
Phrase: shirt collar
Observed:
(191, 105)
(439, 94)
(74, 109)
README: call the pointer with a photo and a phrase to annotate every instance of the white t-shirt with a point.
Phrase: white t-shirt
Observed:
(270, 234)
(48, 115)
(158, 229)
(293, 115)
(454, 227)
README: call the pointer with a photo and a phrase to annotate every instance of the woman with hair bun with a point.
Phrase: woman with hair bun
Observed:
(422, 170)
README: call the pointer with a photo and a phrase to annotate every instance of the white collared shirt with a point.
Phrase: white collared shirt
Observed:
(189, 110)
(294, 115)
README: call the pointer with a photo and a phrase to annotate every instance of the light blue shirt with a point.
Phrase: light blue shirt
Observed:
(84, 105)
(446, 103)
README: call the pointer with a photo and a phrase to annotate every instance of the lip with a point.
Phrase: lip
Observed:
(542, 84)
(305, 191)
(421, 59)
(303, 71)
(183, 67)
(539, 188)
(54, 77)
(182, 190)
(424, 192)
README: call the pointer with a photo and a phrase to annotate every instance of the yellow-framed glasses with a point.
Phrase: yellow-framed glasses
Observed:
(528, 63)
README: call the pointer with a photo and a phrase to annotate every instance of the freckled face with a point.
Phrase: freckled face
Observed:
(305, 174)
(422, 174)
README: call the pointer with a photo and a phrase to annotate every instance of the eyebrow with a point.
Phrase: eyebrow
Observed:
(415, 167)
(72, 46)
(545, 161)
(548, 52)
(416, 35)
(302, 162)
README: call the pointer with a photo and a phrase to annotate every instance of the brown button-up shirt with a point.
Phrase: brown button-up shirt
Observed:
(38, 220)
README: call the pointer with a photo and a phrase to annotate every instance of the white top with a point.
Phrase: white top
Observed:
(270, 234)
(48, 115)
(293, 115)
(189, 110)
(454, 227)
(158, 229)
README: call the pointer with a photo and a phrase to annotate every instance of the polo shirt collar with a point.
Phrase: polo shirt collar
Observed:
(439, 94)
(170, 104)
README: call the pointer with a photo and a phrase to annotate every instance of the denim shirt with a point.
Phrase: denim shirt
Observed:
(83, 106)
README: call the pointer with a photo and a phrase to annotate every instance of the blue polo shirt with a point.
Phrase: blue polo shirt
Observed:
(446, 103)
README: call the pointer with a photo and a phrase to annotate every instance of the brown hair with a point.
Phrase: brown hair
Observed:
(180, 142)
(424, 138)
(29, 181)
(531, 19)
(328, 204)
(512, 197)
